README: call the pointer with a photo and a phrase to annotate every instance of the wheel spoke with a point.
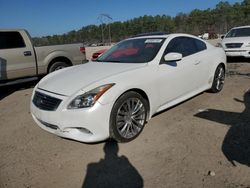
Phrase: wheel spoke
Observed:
(136, 123)
(120, 119)
(121, 113)
(137, 118)
(127, 130)
(121, 124)
(138, 106)
(134, 129)
(125, 107)
(124, 127)
(139, 113)
(218, 84)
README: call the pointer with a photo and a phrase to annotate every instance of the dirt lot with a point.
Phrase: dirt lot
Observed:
(204, 142)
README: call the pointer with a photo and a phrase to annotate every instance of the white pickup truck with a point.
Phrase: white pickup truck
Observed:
(20, 61)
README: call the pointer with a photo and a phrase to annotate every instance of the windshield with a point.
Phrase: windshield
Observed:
(133, 51)
(241, 32)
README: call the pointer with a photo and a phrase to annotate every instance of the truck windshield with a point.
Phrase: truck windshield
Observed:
(241, 32)
(139, 50)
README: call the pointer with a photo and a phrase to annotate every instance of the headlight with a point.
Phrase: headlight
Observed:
(248, 45)
(89, 99)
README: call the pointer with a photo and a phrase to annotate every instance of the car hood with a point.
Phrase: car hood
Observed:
(236, 40)
(70, 80)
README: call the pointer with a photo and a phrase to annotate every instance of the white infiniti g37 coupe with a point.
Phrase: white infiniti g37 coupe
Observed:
(116, 95)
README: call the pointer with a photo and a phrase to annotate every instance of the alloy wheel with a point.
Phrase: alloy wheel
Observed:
(130, 118)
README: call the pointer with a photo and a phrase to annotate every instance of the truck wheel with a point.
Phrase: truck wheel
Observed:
(57, 66)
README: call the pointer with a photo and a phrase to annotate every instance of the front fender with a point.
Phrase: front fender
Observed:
(112, 95)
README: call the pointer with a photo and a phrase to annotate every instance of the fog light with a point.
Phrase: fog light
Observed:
(84, 130)
(74, 129)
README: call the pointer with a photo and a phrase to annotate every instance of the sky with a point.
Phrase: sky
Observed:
(48, 17)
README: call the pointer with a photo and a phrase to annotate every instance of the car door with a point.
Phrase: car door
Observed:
(17, 59)
(180, 78)
(204, 63)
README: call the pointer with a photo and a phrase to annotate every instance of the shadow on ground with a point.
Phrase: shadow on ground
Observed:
(112, 171)
(236, 144)
(8, 90)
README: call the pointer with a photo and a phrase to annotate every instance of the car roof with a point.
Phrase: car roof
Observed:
(165, 36)
(173, 35)
(241, 27)
(13, 29)
(150, 34)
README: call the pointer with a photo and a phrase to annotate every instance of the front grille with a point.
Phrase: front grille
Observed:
(233, 45)
(45, 102)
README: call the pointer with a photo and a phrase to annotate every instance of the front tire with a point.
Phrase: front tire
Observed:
(128, 117)
(219, 79)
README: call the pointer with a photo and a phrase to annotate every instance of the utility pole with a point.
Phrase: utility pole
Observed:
(101, 20)
(105, 18)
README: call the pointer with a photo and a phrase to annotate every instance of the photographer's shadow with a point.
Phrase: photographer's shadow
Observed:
(112, 171)
(236, 144)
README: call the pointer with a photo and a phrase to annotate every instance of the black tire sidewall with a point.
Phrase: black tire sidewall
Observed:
(57, 64)
(113, 128)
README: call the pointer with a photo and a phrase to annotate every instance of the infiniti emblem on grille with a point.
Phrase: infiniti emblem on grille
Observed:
(39, 101)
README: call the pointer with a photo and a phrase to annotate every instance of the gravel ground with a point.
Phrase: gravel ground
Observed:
(203, 142)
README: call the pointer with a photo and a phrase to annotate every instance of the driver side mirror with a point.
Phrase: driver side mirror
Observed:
(222, 36)
(172, 56)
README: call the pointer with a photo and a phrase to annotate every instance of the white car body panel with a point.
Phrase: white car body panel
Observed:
(100, 70)
(165, 85)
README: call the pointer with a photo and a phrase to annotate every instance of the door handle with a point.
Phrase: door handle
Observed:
(197, 62)
(27, 53)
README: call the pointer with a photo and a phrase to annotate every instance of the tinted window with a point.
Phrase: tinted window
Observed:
(185, 45)
(199, 45)
(11, 40)
(240, 32)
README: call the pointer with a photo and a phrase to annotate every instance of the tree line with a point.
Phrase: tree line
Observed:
(218, 20)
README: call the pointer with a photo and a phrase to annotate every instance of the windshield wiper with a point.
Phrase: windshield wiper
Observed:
(114, 61)
(99, 60)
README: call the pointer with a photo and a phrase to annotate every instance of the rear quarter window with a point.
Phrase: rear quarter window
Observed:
(10, 40)
(200, 46)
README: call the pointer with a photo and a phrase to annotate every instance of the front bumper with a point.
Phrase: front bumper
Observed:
(84, 125)
(238, 52)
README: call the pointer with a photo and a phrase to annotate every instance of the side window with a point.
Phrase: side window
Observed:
(174, 46)
(11, 40)
(185, 45)
(200, 45)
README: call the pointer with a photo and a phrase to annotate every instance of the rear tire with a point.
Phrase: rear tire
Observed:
(219, 79)
(57, 66)
(128, 117)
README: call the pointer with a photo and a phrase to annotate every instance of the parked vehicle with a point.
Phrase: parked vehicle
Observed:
(135, 79)
(237, 42)
(20, 61)
(97, 54)
(209, 35)
(204, 36)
